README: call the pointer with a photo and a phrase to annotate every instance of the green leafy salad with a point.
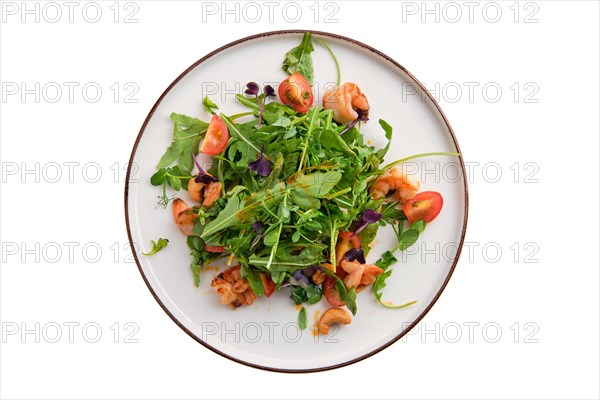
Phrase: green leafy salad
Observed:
(294, 195)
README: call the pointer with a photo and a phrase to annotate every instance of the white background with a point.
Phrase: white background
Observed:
(544, 298)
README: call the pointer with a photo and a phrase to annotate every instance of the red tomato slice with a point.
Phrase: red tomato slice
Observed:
(424, 206)
(216, 138)
(346, 241)
(213, 249)
(331, 293)
(296, 93)
(268, 284)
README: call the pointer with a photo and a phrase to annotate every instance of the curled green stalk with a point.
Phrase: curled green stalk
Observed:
(405, 159)
(337, 64)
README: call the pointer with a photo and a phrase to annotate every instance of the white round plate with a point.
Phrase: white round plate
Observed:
(266, 335)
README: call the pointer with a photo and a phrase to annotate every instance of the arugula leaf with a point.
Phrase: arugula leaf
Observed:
(275, 111)
(157, 246)
(367, 235)
(298, 294)
(200, 257)
(351, 300)
(388, 135)
(287, 258)
(419, 226)
(240, 154)
(226, 218)
(390, 213)
(378, 286)
(317, 184)
(405, 240)
(196, 268)
(313, 294)
(278, 277)
(302, 318)
(253, 279)
(351, 136)
(235, 131)
(307, 189)
(272, 178)
(299, 59)
(284, 122)
(304, 201)
(187, 132)
(332, 140)
(409, 237)
(209, 106)
(238, 211)
(347, 296)
(386, 260)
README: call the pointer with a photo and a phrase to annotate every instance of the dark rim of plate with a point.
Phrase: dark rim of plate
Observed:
(341, 38)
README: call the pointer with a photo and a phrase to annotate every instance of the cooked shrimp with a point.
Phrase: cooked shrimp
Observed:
(359, 100)
(318, 277)
(370, 273)
(183, 216)
(345, 101)
(234, 290)
(360, 275)
(195, 189)
(211, 193)
(354, 270)
(406, 186)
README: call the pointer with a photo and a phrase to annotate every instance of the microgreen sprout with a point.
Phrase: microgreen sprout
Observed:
(261, 166)
(252, 89)
(259, 228)
(369, 217)
(203, 177)
(163, 201)
(299, 279)
(268, 91)
(362, 117)
(355, 255)
(309, 271)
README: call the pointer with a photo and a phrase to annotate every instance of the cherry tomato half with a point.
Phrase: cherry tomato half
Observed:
(216, 138)
(296, 93)
(331, 293)
(424, 206)
(213, 249)
(268, 284)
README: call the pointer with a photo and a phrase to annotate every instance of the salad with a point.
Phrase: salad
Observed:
(294, 195)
